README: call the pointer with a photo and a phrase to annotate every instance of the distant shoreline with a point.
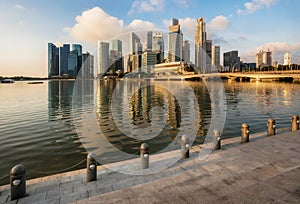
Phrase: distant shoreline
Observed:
(21, 78)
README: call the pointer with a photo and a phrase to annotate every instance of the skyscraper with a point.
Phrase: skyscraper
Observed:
(158, 45)
(103, 57)
(231, 60)
(116, 45)
(149, 60)
(186, 51)
(208, 47)
(116, 58)
(64, 53)
(149, 40)
(135, 51)
(216, 54)
(77, 49)
(53, 60)
(72, 64)
(87, 66)
(200, 45)
(175, 42)
(134, 41)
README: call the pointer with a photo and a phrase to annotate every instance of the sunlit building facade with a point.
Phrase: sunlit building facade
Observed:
(175, 42)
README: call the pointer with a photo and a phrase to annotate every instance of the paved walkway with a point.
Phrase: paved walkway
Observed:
(265, 170)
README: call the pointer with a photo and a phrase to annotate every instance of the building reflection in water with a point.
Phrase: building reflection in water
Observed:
(60, 99)
(152, 107)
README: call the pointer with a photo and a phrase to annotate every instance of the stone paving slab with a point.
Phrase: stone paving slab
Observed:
(268, 175)
(264, 170)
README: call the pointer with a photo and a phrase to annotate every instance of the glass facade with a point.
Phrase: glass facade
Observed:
(53, 55)
(64, 53)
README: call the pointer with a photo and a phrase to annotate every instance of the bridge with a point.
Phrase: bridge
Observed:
(292, 75)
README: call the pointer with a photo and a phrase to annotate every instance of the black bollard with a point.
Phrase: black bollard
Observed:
(216, 139)
(245, 133)
(185, 147)
(295, 122)
(91, 168)
(17, 182)
(271, 127)
(144, 149)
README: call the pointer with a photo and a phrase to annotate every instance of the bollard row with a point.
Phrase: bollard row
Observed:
(18, 173)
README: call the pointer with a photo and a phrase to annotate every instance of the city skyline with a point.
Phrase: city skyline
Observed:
(247, 26)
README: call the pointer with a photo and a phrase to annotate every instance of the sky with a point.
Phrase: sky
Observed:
(245, 25)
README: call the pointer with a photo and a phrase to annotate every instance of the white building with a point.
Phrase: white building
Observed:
(287, 60)
(103, 56)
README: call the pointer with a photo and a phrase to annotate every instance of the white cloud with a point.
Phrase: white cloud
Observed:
(140, 25)
(183, 3)
(95, 24)
(19, 7)
(278, 50)
(279, 47)
(141, 6)
(254, 5)
(219, 23)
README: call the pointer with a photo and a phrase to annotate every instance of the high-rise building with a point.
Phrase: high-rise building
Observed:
(175, 42)
(53, 60)
(263, 58)
(208, 46)
(200, 45)
(149, 40)
(186, 51)
(135, 51)
(116, 58)
(287, 59)
(231, 60)
(158, 46)
(215, 57)
(116, 45)
(135, 43)
(72, 64)
(149, 60)
(62, 62)
(103, 57)
(87, 66)
(77, 49)
(64, 53)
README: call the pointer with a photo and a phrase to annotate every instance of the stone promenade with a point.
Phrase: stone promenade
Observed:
(265, 170)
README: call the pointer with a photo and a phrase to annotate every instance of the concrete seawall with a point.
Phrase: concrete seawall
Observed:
(265, 170)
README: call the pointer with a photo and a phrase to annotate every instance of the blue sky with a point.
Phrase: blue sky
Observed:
(245, 25)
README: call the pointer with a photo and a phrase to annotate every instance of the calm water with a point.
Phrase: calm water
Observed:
(37, 125)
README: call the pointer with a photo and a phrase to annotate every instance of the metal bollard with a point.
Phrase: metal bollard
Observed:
(216, 140)
(91, 168)
(17, 182)
(144, 149)
(295, 122)
(271, 127)
(245, 133)
(185, 147)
